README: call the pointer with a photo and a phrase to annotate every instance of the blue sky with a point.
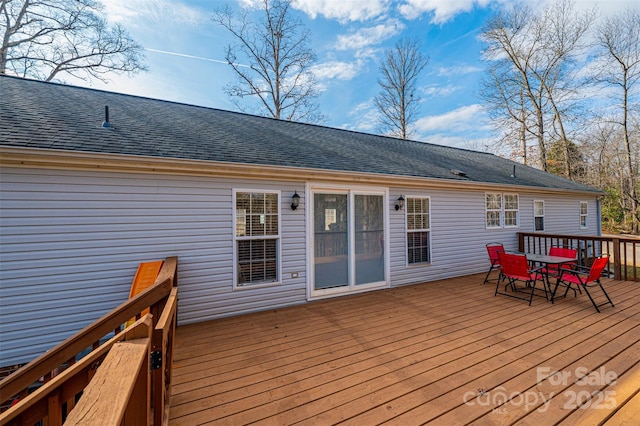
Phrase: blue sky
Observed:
(185, 55)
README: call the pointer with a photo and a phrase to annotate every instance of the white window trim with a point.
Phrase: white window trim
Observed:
(585, 215)
(278, 239)
(537, 216)
(505, 210)
(407, 231)
(502, 210)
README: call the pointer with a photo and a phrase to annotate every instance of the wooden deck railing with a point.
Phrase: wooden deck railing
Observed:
(624, 253)
(119, 391)
(53, 401)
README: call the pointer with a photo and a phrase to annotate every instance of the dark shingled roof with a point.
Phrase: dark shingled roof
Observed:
(52, 116)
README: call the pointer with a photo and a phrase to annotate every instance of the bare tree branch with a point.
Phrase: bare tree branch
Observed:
(278, 73)
(397, 103)
(44, 39)
(537, 51)
(619, 41)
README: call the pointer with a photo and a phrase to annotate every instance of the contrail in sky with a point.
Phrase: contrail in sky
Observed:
(191, 57)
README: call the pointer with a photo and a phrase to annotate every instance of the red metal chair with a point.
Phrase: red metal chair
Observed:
(515, 267)
(554, 270)
(585, 278)
(492, 250)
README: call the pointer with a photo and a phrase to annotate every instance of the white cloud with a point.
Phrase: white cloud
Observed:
(249, 3)
(467, 117)
(458, 70)
(336, 69)
(129, 11)
(443, 10)
(365, 115)
(365, 37)
(478, 144)
(343, 10)
(367, 53)
(441, 91)
(604, 7)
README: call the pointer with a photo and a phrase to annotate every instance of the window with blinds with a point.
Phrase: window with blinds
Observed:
(418, 230)
(257, 238)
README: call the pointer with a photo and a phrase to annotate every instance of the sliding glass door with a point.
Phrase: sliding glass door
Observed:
(331, 240)
(369, 238)
(348, 239)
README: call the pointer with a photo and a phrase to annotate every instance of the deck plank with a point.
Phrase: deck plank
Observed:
(408, 355)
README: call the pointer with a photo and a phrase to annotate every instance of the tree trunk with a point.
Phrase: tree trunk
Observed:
(633, 191)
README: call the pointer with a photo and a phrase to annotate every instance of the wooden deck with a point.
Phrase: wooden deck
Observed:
(445, 352)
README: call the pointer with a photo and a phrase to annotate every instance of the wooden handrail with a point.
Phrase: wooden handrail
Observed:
(50, 360)
(169, 311)
(154, 297)
(38, 405)
(108, 397)
(162, 343)
(169, 271)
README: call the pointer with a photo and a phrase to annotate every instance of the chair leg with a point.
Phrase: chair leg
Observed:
(591, 298)
(605, 293)
(568, 286)
(586, 290)
(486, 279)
(508, 282)
(553, 293)
(533, 288)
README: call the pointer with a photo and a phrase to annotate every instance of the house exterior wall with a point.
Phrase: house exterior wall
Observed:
(72, 240)
(459, 234)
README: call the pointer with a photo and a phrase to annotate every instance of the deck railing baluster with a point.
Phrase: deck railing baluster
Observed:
(623, 252)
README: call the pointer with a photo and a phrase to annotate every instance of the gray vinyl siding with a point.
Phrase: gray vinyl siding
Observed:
(562, 214)
(459, 234)
(72, 241)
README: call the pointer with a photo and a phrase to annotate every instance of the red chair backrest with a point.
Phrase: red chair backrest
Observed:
(597, 267)
(493, 249)
(562, 252)
(515, 266)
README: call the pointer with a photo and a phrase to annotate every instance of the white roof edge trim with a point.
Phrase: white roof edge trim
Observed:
(69, 160)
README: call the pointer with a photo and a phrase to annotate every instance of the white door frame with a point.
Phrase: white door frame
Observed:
(350, 190)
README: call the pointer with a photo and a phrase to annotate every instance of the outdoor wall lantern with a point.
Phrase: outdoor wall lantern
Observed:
(400, 203)
(295, 201)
